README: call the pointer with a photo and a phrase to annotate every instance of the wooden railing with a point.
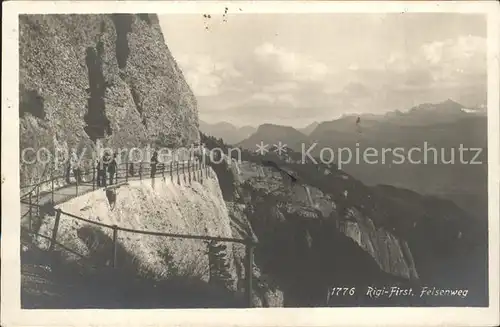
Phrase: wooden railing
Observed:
(248, 243)
(191, 171)
(188, 171)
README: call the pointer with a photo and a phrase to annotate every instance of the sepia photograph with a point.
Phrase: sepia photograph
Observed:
(237, 155)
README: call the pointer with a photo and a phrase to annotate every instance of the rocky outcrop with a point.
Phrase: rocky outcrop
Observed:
(329, 229)
(192, 208)
(274, 204)
(266, 293)
(107, 78)
(303, 202)
(389, 251)
(148, 205)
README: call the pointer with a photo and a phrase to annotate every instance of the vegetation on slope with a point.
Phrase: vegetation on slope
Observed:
(194, 208)
(49, 281)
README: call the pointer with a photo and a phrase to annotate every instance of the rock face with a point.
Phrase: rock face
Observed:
(143, 205)
(189, 265)
(99, 78)
(390, 252)
(330, 230)
(274, 199)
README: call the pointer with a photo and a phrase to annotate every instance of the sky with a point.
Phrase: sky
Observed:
(294, 69)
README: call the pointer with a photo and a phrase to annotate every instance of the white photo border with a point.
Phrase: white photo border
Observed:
(13, 315)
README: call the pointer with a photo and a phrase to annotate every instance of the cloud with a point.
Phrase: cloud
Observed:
(442, 62)
(261, 96)
(271, 98)
(281, 87)
(356, 90)
(297, 66)
(450, 68)
(271, 78)
(419, 78)
(206, 76)
(276, 84)
(287, 98)
(353, 66)
(459, 51)
(203, 84)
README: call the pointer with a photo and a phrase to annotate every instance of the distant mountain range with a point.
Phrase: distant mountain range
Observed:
(226, 131)
(444, 126)
(309, 128)
(232, 134)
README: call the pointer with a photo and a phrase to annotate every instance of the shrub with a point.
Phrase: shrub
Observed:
(219, 267)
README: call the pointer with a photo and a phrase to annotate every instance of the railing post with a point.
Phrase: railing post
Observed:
(183, 171)
(249, 272)
(38, 200)
(30, 211)
(126, 168)
(189, 171)
(93, 176)
(198, 165)
(172, 170)
(115, 246)
(52, 182)
(200, 171)
(195, 174)
(140, 170)
(77, 182)
(163, 170)
(178, 177)
(54, 230)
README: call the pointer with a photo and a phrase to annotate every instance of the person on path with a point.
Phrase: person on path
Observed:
(154, 162)
(131, 170)
(112, 167)
(99, 172)
(75, 165)
(68, 171)
(103, 166)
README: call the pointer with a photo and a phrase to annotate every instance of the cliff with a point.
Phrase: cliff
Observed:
(329, 229)
(194, 208)
(274, 134)
(322, 245)
(99, 78)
